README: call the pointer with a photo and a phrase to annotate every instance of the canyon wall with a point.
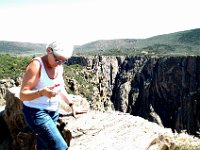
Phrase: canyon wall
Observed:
(165, 90)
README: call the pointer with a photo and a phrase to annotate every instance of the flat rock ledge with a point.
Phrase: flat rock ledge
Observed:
(116, 131)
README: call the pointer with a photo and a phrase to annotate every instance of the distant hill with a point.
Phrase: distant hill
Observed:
(21, 48)
(178, 43)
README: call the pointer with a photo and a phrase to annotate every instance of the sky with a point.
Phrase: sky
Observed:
(81, 21)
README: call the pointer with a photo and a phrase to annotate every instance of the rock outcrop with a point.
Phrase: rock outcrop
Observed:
(4, 84)
(116, 131)
(164, 90)
(93, 130)
(18, 134)
(15, 133)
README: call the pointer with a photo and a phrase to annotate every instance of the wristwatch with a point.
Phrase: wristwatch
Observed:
(71, 104)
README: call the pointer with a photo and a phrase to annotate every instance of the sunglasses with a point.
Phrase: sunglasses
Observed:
(57, 59)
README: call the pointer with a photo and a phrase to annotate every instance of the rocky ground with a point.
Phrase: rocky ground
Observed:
(121, 131)
(99, 130)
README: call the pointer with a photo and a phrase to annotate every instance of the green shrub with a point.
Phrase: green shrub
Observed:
(12, 66)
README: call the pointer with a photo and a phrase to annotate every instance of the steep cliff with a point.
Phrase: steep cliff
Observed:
(164, 90)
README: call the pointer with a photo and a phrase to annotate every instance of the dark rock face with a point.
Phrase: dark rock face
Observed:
(83, 61)
(20, 135)
(166, 87)
(175, 82)
(164, 90)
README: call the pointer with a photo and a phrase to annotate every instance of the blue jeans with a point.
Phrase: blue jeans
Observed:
(43, 124)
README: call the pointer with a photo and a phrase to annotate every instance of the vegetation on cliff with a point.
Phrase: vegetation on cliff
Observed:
(11, 66)
(77, 78)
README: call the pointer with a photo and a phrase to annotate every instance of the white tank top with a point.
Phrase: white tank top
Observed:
(44, 102)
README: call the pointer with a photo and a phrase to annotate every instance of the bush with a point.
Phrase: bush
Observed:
(12, 67)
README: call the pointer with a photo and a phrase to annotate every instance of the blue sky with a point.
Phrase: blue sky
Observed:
(82, 21)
